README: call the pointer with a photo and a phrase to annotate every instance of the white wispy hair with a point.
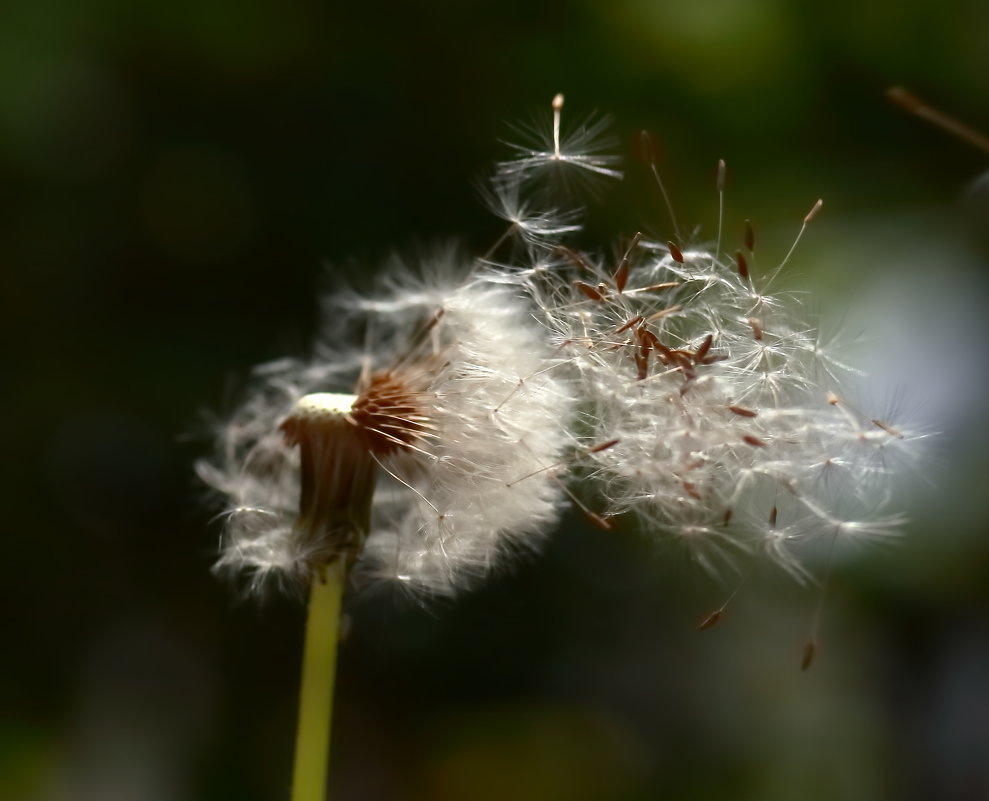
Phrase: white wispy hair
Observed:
(583, 149)
(449, 500)
(728, 413)
(535, 226)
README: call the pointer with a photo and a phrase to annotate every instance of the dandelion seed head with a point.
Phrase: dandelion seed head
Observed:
(718, 394)
(438, 416)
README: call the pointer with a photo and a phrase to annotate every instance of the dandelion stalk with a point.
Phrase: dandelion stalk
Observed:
(312, 744)
(337, 478)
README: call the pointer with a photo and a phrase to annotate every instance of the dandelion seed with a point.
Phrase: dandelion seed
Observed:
(749, 236)
(584, 148)
(807, 218)
(914, 105)
(534, 226)
(810, 647)
(649, 147)
(741, 264)
(588, 291)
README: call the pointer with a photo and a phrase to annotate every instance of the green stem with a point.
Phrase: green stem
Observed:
(312, 744)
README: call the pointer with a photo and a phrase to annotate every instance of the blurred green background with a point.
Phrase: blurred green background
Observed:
(179, 179)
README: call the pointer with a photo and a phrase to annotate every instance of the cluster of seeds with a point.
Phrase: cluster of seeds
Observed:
(666, 378)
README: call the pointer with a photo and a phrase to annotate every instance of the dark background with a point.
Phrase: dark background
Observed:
(179, 179)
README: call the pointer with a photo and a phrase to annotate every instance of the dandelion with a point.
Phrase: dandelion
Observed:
(430, 442)
(412, 477)
(678, 383)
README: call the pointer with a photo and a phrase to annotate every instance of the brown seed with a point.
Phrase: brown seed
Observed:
(675, 253)
(755, 442)
(648, 148)
(641, 364)
(904, 99)
(887, 428)
(913, 104)
(644, 346)
(741, 411)
(435, 319)
(621, 274)
(599, 521)
(634, 321)
(710, 620)
(704, 347)
(621, 277)
(749, 236)
(813, 212)
(683, 359)
(648, 336)
(588, 290)
(809, 648)
(742, 264)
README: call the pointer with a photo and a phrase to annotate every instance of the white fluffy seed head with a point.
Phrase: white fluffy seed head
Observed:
(442, 412)
(732, 429)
